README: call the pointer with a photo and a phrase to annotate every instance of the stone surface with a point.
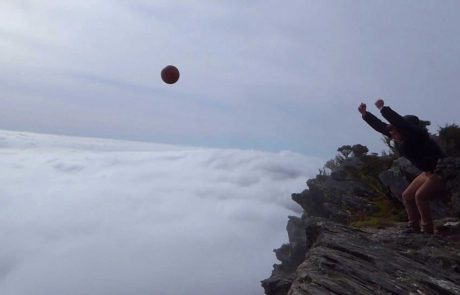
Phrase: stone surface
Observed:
(449, 170)
(340, 173)
(395, 182)
(408, 170)
(327, 256)
(344, 260)
(332, 198)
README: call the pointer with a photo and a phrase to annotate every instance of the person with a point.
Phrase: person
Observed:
(415, 144)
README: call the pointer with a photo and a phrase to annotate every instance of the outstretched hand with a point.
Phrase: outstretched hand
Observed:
(362, 108)
(379, 103)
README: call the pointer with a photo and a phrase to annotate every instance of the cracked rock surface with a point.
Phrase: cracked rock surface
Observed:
(325, 255)
(343, 260)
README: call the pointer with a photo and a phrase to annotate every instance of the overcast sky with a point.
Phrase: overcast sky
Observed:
(270, 75)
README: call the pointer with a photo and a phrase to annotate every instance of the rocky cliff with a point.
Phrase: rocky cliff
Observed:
(349, 239)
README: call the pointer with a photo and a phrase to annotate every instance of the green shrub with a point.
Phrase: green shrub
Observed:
(387, 214)
(450, 138)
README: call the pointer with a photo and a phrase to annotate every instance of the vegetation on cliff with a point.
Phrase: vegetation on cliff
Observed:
(355, 201)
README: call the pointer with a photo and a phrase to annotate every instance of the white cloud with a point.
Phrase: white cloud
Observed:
(90, 216)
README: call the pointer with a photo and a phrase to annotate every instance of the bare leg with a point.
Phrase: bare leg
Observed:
(409, 200)
(431, 188)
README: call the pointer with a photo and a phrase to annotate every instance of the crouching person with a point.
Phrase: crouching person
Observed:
(414, 143)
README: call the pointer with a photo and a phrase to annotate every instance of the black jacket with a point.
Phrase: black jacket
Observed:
(416, 146)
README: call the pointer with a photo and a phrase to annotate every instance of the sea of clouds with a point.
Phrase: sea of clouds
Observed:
(99, 216)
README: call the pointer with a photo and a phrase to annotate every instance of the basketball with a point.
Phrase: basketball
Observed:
(170, 74)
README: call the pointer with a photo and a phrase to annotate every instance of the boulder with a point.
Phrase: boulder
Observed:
(395, 182)
(408, 170)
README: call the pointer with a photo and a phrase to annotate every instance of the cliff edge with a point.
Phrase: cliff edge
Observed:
(350, 239)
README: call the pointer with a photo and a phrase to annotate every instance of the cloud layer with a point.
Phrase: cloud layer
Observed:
(88, 216)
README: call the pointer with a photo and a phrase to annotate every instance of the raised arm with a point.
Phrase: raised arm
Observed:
(393, 117)
(373, 121)
(397, 120)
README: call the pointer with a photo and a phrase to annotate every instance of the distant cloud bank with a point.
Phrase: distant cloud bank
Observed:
(93, 216)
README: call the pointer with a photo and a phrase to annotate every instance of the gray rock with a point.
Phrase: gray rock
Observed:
(449, 170)
(395, 182)
(398, 177)
(341, 172)
(291, 255)
(279, 282)
(343, 260)
(325, 256)
(333, 199)
(407, 168)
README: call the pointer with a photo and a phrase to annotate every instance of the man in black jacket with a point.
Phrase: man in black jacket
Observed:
(414, 143)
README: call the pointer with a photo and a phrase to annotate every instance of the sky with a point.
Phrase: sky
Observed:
(263, 75)
(85, 216)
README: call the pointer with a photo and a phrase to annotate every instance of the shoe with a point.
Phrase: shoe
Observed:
(411, 228)
(428, 229)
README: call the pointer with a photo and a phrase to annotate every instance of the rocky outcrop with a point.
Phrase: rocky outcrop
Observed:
(449, 170)
(343, 260)
(329, 197)
(291, 256)
(398, 176)
(325, 255)
(333, 197)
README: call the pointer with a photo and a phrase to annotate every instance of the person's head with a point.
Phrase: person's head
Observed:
(412, 119)
(395, 133)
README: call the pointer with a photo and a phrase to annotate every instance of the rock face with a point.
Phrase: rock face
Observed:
(398, 177)
(291, 256)
(348, 261)
(333, 197)
(342, 260)
(449, 170)
(325, 255)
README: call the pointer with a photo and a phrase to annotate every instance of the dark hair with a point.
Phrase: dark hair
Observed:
(412, 119)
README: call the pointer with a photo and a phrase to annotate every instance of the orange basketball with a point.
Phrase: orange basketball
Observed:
(170, 74)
